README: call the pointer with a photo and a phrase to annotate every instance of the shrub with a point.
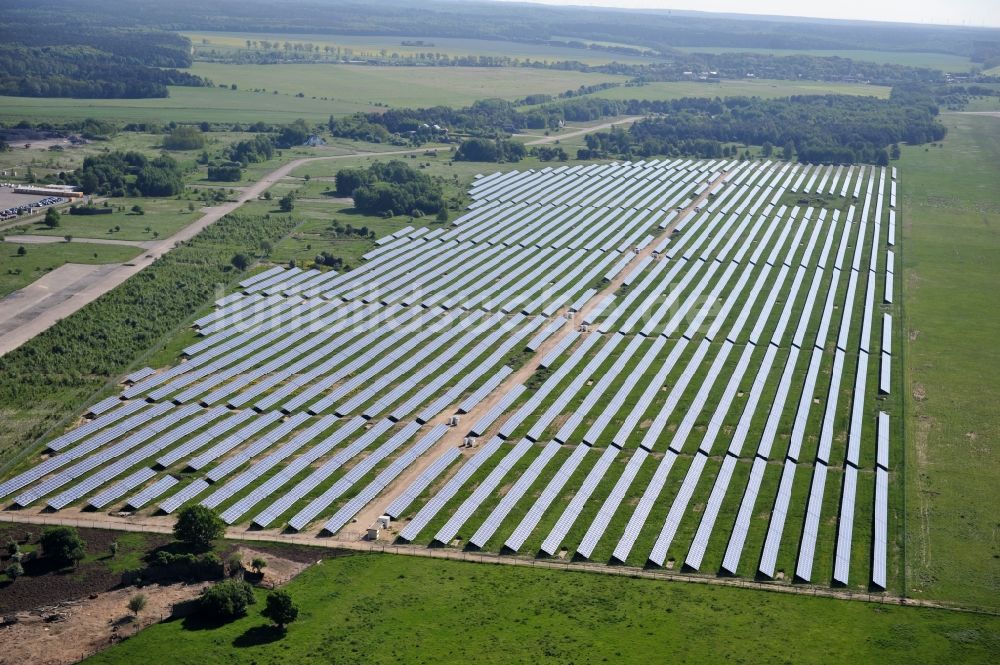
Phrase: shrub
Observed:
(184, 138)
(63, 544)
(137, 603)
(228, 599)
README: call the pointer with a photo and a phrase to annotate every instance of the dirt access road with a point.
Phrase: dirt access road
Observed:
(586, 130)
(34, 309)
(455, 435)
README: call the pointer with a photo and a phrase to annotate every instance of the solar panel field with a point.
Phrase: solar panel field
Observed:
(672, 363)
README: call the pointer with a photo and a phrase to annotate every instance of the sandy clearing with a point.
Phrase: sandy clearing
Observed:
(92, 624)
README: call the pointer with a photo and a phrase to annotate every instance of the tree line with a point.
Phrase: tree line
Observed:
(839, 129)
(648, 31)
(82, 72)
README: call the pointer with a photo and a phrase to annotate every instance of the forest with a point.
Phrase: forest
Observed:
(68, 60)
(391, 188)
(656, 31)
(123, 173)
(828, 129)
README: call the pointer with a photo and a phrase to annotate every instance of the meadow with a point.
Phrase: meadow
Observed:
(184, 105)
(346, 88)
(951, 217)
(363, 45)
(749, 88)
(399, 86)
(389, 609)
(944, 61)
(161, 218)
(17, 271)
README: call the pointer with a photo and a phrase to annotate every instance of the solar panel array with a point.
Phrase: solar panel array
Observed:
(686, 318)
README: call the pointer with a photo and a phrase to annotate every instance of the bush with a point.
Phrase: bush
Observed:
(241, 261)
(14, 571)
(63, 544)
(184, 138)
(137, 603)
(230, 172)
(198, 526)
(228, 599)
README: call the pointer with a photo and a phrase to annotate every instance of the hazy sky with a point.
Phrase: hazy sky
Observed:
(953, 12)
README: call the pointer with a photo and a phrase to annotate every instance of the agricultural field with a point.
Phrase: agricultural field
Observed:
(944, 61)
(451, 611)
(748, 88)
(184, 105)
(17, 271)
(328, 90)
(951, 268)
(399, 86)
(571, 387)
(362, 46)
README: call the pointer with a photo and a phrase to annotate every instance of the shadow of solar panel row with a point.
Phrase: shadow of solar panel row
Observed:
(500, 351)
(580, 378)
(116, 460)
(87, 446)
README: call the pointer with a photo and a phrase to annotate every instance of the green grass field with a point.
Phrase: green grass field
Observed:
(951, 217)
(750, 87)
(943, 61)
(398, 86)
(390, 609)
(161, 216)
(363, 45)
(16, 272)
(347, 88)
(219, 105)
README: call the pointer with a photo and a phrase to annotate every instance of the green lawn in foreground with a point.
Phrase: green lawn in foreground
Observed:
(18, 271)
(397, 609)
(398, 86)
(750, 87)
(951, 269)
